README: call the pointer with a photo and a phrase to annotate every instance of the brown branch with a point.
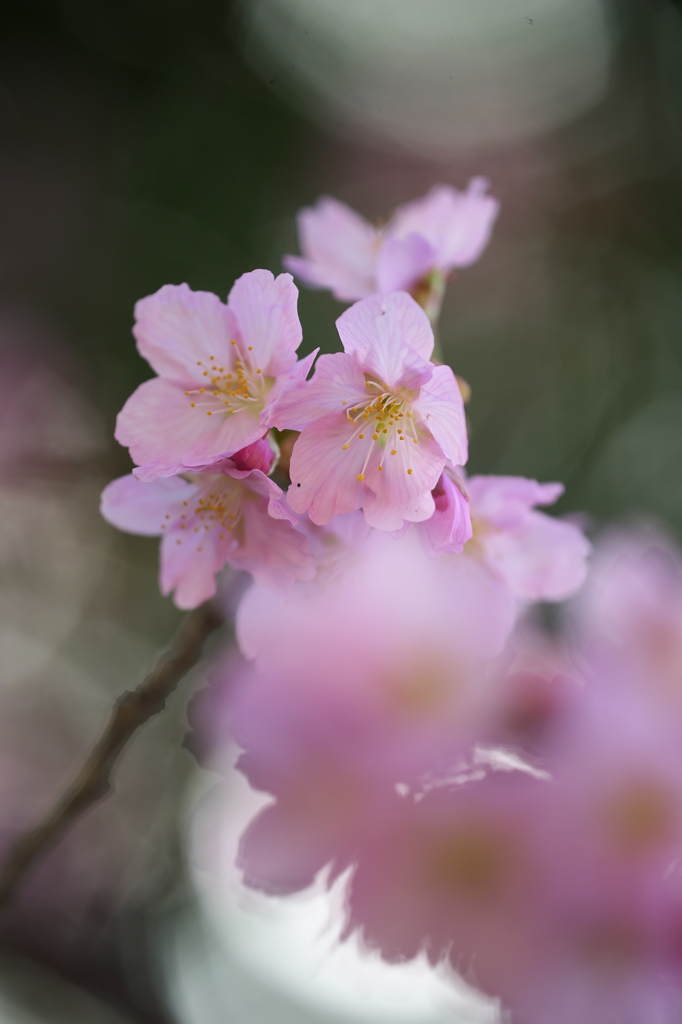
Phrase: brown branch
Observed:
(94, 781)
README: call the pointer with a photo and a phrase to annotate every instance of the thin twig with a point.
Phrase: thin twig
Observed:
(94, 782)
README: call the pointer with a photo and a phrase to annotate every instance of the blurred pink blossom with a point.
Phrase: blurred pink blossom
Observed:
(444, 230)
(539, 557)
(551, 891)
(453, 870)
(633, 602)
(379, 676)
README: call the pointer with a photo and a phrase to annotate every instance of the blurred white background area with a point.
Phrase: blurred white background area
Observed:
(242, 956)
(434, 76)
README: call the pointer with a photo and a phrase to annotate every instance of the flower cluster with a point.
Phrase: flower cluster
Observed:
(492, 805)
(506, 803)
(379, 427)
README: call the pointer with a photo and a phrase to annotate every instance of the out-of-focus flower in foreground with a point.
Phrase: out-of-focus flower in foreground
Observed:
(376, 676)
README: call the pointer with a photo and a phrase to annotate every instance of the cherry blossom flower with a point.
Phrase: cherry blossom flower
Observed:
(220, 367)
(610, 841)
(378, 675)
(378, 421)
(227, 515)
(426, 238)
(538, 557)
(454, 870)
(552, 891)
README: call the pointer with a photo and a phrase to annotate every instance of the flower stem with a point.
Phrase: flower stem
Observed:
(94, 781)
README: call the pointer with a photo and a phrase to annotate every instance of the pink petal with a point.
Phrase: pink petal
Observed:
(281, 852)
(158, 425)
(265, 309)
(390, 337)
(339, 250)
(337, 385)
(429, 216)
(166, 435)
(325, 480)
(449, 528)
(395, 495)
(541, 559)
(457, 224)
(189, 565)
(176, 327)
(142, 508)
(266, 487)
(504, 500)
(323, 476)
(271, 549)
(403, 262)
(441, 410)
(468, 232)
(286, 382)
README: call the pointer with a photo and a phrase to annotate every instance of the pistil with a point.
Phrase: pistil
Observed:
(386, 410)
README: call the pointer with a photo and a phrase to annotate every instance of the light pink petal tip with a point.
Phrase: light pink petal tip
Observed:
(390, 337)
(543, 558)
(441, 409)
(176, 326)
(504, 499)
(141, 508)
(339, 250)
(265, 309)
(457, 224)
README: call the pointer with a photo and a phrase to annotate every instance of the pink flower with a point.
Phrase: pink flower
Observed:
(207, 520)
(610, 842)
(538, 557)
(633, 601)
(443, 230)
(376, 677)
(220, 368)
(378, 421)
(454, 870)
(553, 893)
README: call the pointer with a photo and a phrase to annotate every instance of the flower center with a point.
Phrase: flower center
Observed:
(383, 419)
(236, 388)
(218, 505)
